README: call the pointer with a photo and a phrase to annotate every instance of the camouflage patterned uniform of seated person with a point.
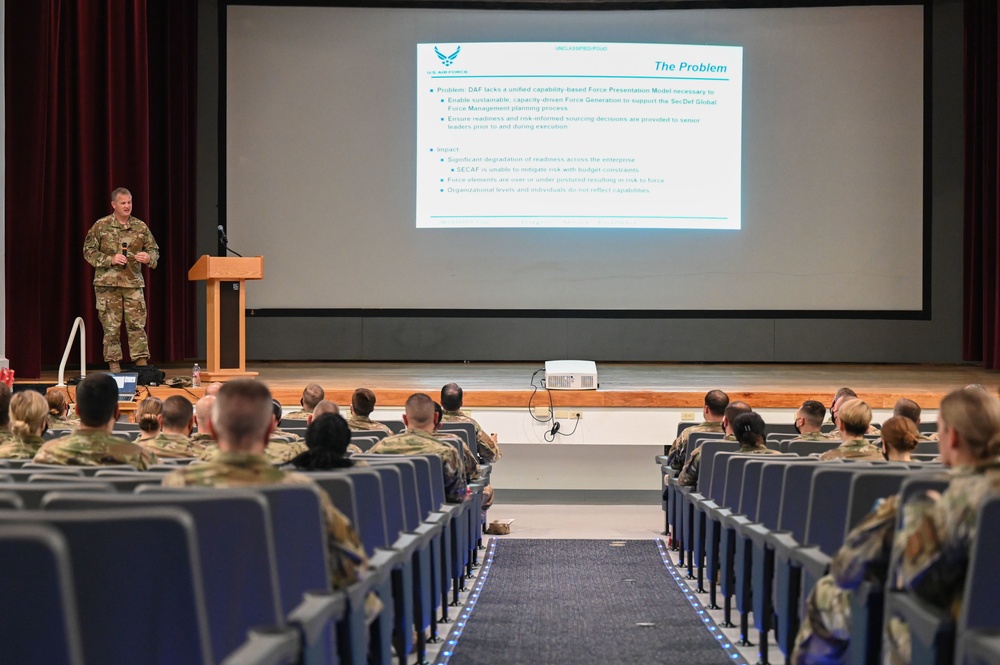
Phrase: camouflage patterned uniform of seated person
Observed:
(311, 396)
(176, 424)
(809, 422)
(712, 413)
(5, 434)
(853, 420)
(452, 398)
(59, 417)
(28, 420)
(92, 444)
(362, 405)
(688, 477)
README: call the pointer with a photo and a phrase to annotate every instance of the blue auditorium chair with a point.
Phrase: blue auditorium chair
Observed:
(21, 475)
(33, 493)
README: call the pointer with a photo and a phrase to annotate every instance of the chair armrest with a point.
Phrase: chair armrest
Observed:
(267, 646)
(813, 560)
(783, 543)
(926, 622)
(316, 611)
(661, 459)
(757, 533)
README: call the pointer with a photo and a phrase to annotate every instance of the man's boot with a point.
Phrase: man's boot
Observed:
(115, 366)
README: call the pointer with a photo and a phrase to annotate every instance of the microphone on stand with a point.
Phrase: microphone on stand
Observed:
(225, 241)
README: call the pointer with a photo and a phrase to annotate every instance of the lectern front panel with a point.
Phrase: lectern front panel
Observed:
(229, 325)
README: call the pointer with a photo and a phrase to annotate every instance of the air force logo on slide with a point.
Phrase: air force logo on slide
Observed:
(447, 60)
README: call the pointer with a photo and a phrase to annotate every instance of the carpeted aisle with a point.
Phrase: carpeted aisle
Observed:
(548, 602)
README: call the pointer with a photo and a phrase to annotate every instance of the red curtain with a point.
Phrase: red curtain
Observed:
(98, 95)
(981, 284)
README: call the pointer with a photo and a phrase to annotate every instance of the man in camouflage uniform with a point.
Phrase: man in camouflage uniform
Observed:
(809, 422)
(844, 395)
(92, 444)
(282, 446)
(452, 398)
(418, 439)
(713, 412)
(311, 396)
(203, 438)
(176, 424)
(5, 434)
(362, 405)
(473, 471)
(242, 422)
(853, 420)
(689, 474)
(118, 281)
(907, 408)
(326, 406)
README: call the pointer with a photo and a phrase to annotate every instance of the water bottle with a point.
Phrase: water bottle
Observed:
(196, 376)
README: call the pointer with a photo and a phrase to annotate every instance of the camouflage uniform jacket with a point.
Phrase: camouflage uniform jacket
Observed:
(853, 449)
(56, 422)
(202, 440)
(678, 449)
(471, 465)
(5, 435)
(279, 435)
(282, 452)
(348, 562)
(25, 448)
(486, 447)
(105, 239)
(365, 424)
(165, 445)
(815, 436)
(689, 474)
(301, 414)
(419, 442)
(94, 448)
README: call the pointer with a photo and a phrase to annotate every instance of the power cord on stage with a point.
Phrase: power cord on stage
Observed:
(550, 435)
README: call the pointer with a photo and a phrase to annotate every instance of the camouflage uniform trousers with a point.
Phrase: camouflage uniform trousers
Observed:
(113, 304)
(825, 632)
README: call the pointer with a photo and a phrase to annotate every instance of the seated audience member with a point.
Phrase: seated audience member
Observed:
(899, 438)
(689, 474)
(28, 420)
(847, 395)
(418, 439)
(59, 417)
(932, 553)
(712, 414)
(92, 444)
(176, 424)
(242, 420)
(473, 470)
(326, 406)
(809, 421)
(825, 633)
(853, 420)
(362, 405)
(311, 396)
(5, 434)
(282, 446)
(147, 417)
(203, 415)
(907, 408)
(452, 398)
(213, 388)
(327, 440)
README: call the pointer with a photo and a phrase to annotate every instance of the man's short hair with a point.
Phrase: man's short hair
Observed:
(5, 403)
(326, 406)
(814, 412)
(276, 409)
(736, 408)
(420, 409)
(451, 397)
(120, 191)
(842, 392)
(312, 395)
(716, 401)
(907, 408)
(242, 413)
(177, 412)
(363, 402)
(97, 399)
(855, 417)
(203, 412)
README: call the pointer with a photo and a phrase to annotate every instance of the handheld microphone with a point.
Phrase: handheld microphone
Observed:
(222, 234)
(124, 248)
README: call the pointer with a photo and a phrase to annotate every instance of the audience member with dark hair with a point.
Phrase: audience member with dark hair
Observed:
(5, 434)
(311, 396)
(59, 417)
(809, 422)
(907, 408)
(712, 414)
(282, 446)
(176, 424)
(362, 405)
(840, 400)
(899, 438)
(853, 420)
(452, 399)
(242, 420)
(327, 440)
(28, 421)
(92, 444)
(473, 470)
(147, 417)
(326, 406)
(689, 473)
(419, 439)
(742, 424)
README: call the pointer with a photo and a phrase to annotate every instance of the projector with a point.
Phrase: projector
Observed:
(571, 375)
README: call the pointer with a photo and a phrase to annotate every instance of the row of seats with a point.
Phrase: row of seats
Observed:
(762, 529)
(143, 573)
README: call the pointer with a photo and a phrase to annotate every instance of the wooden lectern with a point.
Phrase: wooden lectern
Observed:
(224, 277)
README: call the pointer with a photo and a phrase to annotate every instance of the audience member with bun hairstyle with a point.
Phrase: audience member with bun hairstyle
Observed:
(326, 440)
(28, 421)
(147, 416)
(899, 437)
(59, 416)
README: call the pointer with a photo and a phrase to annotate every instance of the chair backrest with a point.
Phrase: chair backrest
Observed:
(396, 426)
(368, 502)
(928, 427)
(770, 486)
(800, 447)
(753, 469)
(828, 507)
(684, 425)
(927, 448)
(466, 430)
(376, 434)
(138, 585)
(734, 479)
(10, 501)
(709, 450)
(55, 434)
(780, 428)
(120, 482)
(437, 481)
(38, 616)
(982, 585)
(781, 436)
(363, 440)
(795, 498)
(235, 547)
(412, 509)
(291, 424)
(422, 466)
(31, 494)
(867, 488)
(392, 490)
(126, 427)
(24, 473)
